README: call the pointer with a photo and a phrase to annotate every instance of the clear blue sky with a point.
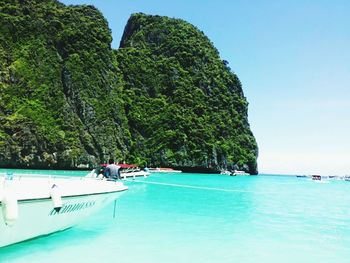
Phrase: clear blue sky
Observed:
(293, 59)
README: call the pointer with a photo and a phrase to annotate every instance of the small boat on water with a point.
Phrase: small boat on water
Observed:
(36, 205)
(237, 172)
(234, 173)
(126, 170)
(225, 172)
(163, 170)
(130, 170)
(316, 177)
(347, 178)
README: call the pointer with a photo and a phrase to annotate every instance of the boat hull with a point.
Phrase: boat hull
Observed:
(38, 216)
(134, 174)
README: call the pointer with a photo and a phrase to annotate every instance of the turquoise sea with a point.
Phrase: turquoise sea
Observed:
(205, 218)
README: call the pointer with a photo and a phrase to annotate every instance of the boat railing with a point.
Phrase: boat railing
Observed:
(18, 176)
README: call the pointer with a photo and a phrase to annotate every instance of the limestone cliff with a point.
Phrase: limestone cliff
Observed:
(164, 98)
(187, 107)
(59, 95)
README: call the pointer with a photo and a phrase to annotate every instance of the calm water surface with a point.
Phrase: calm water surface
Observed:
(206, 218)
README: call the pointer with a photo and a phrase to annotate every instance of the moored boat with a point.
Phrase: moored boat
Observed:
(126, 170)
(347, 178)
(237, 172)
(130, 170)
(225, 172)
(163, 170)
(33, 206)
(316, 177)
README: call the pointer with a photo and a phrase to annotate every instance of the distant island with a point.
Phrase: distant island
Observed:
(165, 98)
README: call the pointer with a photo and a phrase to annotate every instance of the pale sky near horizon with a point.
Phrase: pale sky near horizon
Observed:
(293, 59)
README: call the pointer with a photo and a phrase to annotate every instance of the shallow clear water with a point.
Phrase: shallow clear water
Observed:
(206, 218)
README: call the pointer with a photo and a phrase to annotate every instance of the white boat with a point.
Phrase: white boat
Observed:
(347, 178)
(225, 172)
(126, 170)
(33, 206)
(133, 173)
(237, 172)
(163, 170)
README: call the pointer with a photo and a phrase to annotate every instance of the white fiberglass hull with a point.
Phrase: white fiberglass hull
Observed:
(124, 174)
(134, 174)
(36, 214)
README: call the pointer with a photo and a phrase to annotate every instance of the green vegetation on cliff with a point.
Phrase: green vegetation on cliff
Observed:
(186, 108)
(59, 103)
(164, 98)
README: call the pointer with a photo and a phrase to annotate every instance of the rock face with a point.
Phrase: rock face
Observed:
(187, 107)
(165, 98)
(59, 103)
